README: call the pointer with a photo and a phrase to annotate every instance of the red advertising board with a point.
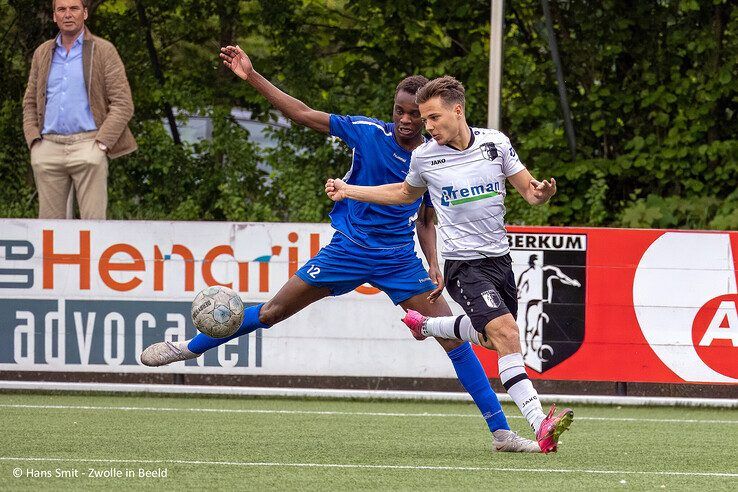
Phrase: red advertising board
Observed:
(626, 304)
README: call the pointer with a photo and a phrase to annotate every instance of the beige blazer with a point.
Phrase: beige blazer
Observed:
(107, 90)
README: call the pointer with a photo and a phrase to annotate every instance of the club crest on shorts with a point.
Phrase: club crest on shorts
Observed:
(489, 151)
(492, 298)
(549, 273)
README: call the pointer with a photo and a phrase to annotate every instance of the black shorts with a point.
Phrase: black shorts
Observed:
(485, 288)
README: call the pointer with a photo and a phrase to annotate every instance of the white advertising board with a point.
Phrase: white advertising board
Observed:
(90, 295)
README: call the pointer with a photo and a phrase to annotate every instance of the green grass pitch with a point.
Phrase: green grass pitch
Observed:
(67, 441)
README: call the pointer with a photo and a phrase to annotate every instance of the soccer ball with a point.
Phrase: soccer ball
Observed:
(217, 311)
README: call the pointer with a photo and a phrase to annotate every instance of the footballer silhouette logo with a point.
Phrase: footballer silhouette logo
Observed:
(550, 291)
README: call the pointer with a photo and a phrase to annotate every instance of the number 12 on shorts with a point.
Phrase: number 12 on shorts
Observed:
(313, 271)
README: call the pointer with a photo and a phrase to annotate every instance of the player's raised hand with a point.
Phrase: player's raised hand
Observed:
(543, 190)
(234, 58)
(335, 189)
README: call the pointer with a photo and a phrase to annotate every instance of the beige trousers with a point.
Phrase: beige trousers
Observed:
(58, 161)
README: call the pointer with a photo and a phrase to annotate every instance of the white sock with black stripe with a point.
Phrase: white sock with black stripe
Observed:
(452, 327)
(519, 387)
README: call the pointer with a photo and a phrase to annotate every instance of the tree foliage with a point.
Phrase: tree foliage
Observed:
(652, 86)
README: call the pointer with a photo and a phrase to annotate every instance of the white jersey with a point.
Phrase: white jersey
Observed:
(467, 189)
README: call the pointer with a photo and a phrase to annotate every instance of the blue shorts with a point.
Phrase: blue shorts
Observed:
(342, 266)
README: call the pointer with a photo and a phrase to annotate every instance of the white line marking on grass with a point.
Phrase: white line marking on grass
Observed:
(186, 389)
(351, 414)
(383, 467)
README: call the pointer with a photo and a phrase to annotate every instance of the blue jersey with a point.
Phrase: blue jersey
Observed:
(378, 159)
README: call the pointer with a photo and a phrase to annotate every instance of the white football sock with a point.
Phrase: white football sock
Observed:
(451, 327)
(519, 387)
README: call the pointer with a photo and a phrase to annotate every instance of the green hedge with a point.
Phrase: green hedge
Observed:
(652, 87)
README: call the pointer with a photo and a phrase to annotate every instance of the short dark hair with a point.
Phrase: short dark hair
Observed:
(450, 90)
(85, 4)
(411, 84)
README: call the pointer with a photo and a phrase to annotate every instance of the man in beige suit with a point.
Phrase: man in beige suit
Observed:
(75, 115)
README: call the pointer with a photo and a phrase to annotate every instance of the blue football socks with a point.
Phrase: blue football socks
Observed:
(471, 374)
(202, 342)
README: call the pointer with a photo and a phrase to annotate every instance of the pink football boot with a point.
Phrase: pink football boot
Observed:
(552, 427)
(415, 321)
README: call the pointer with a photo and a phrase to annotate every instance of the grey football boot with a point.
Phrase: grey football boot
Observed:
(507, 441)
(163, 353)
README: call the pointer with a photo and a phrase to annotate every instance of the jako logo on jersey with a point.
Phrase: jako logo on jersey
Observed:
(438, 161)
(452, 196)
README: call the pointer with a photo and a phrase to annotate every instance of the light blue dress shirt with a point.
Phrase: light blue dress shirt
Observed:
(67, 105)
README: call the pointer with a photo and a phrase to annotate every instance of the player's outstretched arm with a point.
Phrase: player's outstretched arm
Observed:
(426, 227)
(238, 61)
(388, 194)
(535, 192)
